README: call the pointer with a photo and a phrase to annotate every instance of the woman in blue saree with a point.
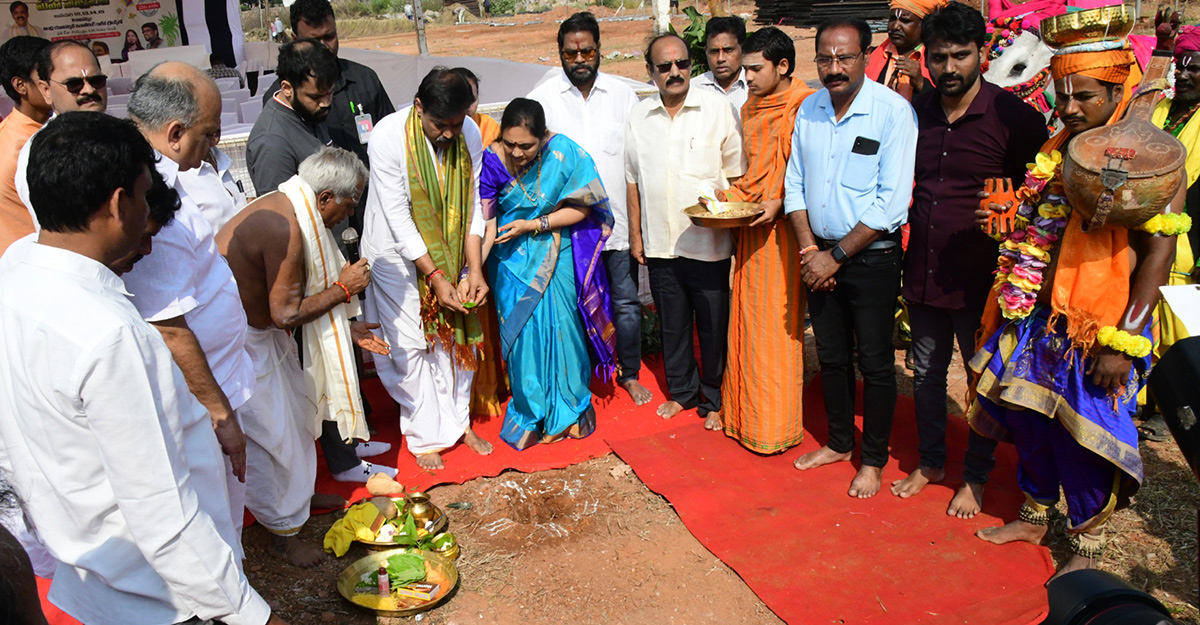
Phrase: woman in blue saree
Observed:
(548, 282)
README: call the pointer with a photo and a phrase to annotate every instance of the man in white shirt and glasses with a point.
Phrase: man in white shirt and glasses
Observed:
(678, 142)
(846, 193)
(114, 458)
(592, 109)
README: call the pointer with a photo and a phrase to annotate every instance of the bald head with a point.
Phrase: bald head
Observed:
(178, 108)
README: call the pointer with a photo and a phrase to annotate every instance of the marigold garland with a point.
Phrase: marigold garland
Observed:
(1124, 342)
(1167, 224)
(1025, 252)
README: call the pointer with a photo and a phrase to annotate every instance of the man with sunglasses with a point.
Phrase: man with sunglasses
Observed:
(592, 109)
(846, 192)
(678, 142)
(69, 78)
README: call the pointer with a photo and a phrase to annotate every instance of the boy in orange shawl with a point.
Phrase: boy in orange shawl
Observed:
(898, 63)
(765, 368)
(1064, 353)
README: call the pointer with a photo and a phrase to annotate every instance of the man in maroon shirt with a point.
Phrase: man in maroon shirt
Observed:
(969, 130)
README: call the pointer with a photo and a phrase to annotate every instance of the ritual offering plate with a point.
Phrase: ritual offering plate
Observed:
(428, 521)
(735, 215)
(1090, 26)
(359, 583)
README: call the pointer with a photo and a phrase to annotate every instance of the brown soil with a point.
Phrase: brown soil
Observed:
(586, 544)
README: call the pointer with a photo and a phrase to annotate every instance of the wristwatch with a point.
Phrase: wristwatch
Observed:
(838, 254)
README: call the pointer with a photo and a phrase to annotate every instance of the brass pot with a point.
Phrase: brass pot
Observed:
(1090, 26)
(421, 508)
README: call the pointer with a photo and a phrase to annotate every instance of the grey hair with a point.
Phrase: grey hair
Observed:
(159, 100)
(334, 169)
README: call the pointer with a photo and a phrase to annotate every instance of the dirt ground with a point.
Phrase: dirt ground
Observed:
(590, 543)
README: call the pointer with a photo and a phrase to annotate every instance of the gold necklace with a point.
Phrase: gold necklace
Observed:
(537, 192)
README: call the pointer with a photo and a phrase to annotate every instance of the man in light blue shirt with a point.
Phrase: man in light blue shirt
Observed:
(846, 193)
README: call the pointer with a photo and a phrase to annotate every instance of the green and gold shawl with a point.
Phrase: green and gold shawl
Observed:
(441, 208)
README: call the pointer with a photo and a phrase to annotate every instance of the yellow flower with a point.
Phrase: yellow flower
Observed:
(1052, 211)
(1167, 224)
(1124, 342)
(1044, 165)
(1035, 251)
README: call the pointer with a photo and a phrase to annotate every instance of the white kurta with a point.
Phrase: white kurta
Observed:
(426, 385)
(214, 190)
(185, 275)
(281, 460)
(116, 462)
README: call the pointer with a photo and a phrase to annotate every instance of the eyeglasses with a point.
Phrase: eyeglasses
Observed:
(588, 54)
(75, 85)
(843, 60)
(680, 64)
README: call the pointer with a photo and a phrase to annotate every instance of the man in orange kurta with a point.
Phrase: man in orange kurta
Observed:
(18, 71)
(765, 367)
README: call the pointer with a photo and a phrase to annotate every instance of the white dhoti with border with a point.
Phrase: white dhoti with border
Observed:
(281, 458)
(434, 394)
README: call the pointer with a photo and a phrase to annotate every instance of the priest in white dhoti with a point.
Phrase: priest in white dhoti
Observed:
(284, 258)
(423, 234)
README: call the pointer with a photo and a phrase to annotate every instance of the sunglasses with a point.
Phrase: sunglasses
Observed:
(680, 64)
(588, 54)
(75, 85)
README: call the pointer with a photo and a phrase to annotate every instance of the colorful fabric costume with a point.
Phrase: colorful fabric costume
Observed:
(765, 371)
(1033, 387)
(551, 294)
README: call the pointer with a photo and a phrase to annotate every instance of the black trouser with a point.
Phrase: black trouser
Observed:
(626, 311)
(688, 292)
(339, 454)
(859, 312)
(933, 333)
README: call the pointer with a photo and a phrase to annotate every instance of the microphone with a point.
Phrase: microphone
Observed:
(350, 240)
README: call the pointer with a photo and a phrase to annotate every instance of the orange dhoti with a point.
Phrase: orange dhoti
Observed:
(765, 371)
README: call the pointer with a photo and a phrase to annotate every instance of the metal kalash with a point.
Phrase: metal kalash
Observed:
(1126, 172)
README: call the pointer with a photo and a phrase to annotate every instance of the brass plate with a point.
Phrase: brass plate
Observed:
(739, 214)
(438, 569)
(1090, 26)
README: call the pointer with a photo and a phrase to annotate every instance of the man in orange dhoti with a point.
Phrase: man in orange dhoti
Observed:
(765, 368)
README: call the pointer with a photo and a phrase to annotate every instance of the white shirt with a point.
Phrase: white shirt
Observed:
(388, 226)
(738, 91)
(598, 125)
(669, 158)
(186, 275)
(213, 190)
(116, 462)
(22, 181)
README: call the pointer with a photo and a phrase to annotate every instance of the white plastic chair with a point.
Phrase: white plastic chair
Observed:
(229, 119)
(118, 99)
(118, 85)
(250, 110)
(228, 84)
(117, 111)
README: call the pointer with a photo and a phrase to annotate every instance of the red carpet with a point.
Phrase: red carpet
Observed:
(816, 556)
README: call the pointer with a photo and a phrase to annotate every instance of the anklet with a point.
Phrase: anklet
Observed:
(1087, 545)
(1034, 516)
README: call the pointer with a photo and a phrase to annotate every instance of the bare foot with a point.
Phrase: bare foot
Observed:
(1075, 563)
(431, 461)
(475, 443)
(1017, 530)
(669, 409)
(298, 553)
(638, 393)
(866, 482)
(326, 501)
(967, 502)
(911, 485)
(820, 458)
(713, 421)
